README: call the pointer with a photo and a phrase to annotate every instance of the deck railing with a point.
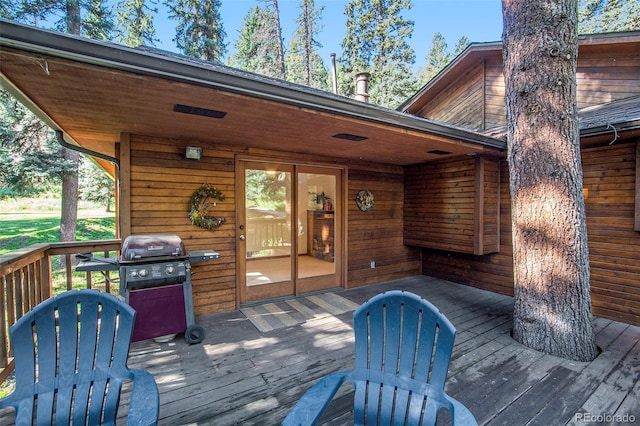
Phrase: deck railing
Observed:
(35, 273)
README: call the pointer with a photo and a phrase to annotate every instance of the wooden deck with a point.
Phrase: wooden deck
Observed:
(239, 376)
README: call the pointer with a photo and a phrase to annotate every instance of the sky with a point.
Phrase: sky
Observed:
(479, 20)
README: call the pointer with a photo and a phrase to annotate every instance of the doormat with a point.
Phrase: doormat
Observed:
(286, 313)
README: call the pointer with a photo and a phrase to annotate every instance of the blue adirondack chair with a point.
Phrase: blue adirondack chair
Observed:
(70, 355)
(403, 346)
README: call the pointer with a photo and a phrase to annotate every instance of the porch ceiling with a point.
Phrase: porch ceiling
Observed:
(95, 91)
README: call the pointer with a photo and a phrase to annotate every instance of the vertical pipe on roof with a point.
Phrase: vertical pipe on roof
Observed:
(334, 73)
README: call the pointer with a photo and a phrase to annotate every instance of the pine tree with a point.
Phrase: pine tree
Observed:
(276, 33)
(376, 42)
(304, 65)
(602, 16)
(31, 158)
(69, 199)
(7, 9)
(437, 58)
(256, 48)
(355, 56)
(135, 22)
(98, 22)
(462, 44)
(95, 184)
(199, 33)
(37, 12)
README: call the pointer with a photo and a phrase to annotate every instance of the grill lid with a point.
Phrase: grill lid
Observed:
(140, 248)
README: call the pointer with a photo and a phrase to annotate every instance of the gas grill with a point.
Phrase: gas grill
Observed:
(150, 260)
(155, 279)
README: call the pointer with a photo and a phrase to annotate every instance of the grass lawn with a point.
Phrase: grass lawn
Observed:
(28, 221)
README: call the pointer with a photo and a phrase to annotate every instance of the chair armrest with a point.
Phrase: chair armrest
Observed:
(312, 404)
(145, 401)
(461, 414)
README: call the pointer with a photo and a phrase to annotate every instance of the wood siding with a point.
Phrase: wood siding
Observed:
(614, 246)
(462, 102)
(162, 182)
(376, 235)
(440, 205)
(487, 233)
(453, 205)
(495, 111)
(604, 74)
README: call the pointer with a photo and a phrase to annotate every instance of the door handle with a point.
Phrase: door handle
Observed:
(242, 237)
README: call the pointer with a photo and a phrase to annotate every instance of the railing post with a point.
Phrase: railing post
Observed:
(17, 294)
(45, 270)
(4, 333)
(68, 266)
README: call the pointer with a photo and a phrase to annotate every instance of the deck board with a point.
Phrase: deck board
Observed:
(238, 375)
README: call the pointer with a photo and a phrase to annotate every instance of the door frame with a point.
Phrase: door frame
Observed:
(341, 219)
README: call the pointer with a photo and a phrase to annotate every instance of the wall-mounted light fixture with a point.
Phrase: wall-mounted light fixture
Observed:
(193, 153)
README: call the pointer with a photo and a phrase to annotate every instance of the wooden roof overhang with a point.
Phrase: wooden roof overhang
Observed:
(94, 91)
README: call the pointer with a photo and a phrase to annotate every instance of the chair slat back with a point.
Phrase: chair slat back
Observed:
(70, 358)
(403, 347)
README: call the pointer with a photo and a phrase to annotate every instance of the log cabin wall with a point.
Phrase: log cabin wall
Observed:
(614, 246)
(162, 182)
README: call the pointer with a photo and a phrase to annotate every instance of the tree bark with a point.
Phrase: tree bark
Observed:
(69, 208)
(552, 311)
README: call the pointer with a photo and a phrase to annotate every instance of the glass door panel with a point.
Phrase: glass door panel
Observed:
(268, 218)
(289, 229)
(319, 243)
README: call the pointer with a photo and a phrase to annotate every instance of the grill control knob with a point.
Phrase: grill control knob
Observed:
(134, 273)
(170, 270)
(143, 273)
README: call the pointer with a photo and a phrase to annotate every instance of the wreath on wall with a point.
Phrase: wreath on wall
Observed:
(364, 200)
(201, 201)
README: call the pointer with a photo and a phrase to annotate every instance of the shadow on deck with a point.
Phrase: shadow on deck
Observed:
(239, 376)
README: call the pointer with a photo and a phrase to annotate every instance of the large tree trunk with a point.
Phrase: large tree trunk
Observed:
(552, 311)
(69, 208)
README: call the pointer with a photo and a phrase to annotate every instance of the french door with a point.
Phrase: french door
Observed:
(289, 229)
